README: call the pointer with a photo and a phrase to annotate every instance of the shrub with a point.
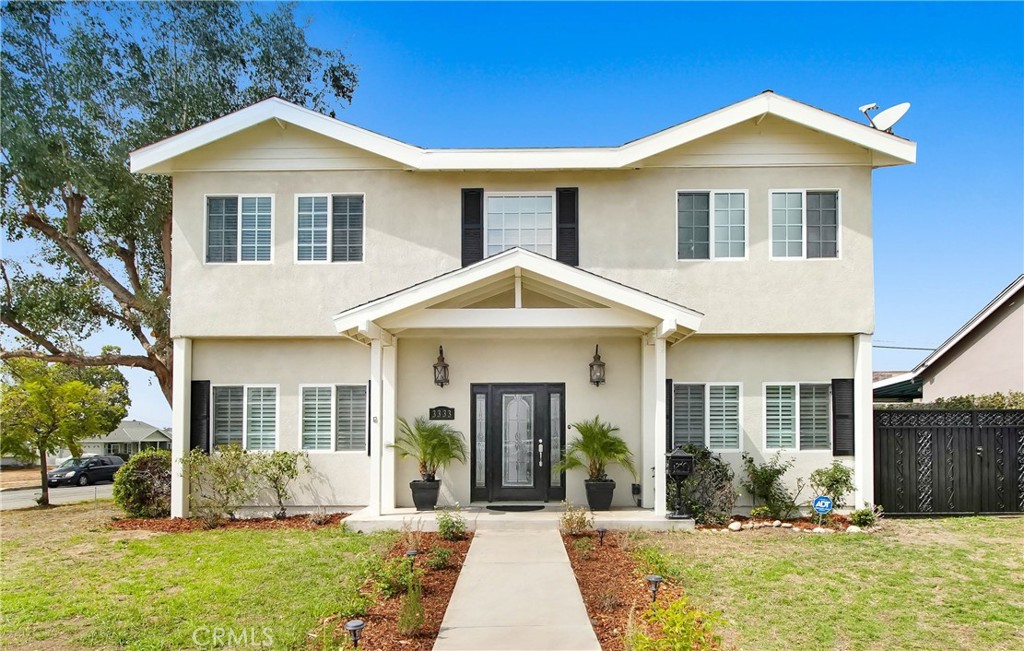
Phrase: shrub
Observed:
(764, 482)
(221, 482)
(866, 517)
(709, 490)
(393, 576)
(574, 520)
(762, 512)
(836, 482)
(411, 613)
(142, 487)
(439, 558)
(675, 627)
(583, 546)
(412, 534)
(277, 469)
(450, 523)
(319, 516)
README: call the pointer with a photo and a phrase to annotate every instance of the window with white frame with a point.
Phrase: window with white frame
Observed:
(805, 224)
(798, 417)
(239, 228)
(329, 227)
(706, 414)
(334, 418)
(245, 416)
(711, 225)
(523, 220)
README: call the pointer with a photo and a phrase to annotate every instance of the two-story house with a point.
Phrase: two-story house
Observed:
(721, 269)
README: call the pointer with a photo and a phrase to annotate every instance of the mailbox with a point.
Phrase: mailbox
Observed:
(679, 467)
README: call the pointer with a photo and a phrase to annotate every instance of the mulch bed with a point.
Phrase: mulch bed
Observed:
(186, 525)
(381, 630)
(612, 585)
(835, 521)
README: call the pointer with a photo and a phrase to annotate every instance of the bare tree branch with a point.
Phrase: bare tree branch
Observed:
(74, 359)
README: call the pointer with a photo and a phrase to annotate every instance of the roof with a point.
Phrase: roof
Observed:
(906, 382)
(134, 431)
(893, 150)
(673, 320)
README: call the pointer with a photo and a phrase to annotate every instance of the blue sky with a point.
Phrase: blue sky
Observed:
(949, 231)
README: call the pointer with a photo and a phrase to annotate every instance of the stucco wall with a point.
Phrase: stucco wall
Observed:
(989, 360)
(627, 232)
(337, 478)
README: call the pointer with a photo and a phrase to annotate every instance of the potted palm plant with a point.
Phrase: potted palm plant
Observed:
(596, 448)
(433, 446)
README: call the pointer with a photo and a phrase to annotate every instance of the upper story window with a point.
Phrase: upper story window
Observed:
(239, 228)
(329, 227)
(523, 220)
(797, 416)
(805, 224)
(711, 225)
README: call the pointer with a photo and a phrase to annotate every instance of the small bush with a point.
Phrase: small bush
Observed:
(866, 517)
(583, 546)
(412, 534)
(836, 482)
(764, 483)
(762, 512)
(709, 491)
(221, 482)
(393, 576)
(277, 469)
(675, 627)
(142, 487)
(450, 523)
(438, 558)
(319, 516)
(411, 614)
(575, 520)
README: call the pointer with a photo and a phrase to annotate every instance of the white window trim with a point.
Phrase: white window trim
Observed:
(803, 206)
(711, 221)
(330, 227)
(511, 193)
(334, 418)
(238, 222)
(245, 412)
(707, 412)
(796, 434)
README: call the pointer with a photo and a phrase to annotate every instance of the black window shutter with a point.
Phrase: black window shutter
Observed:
(472, 225)
(567, 209)
(842, 416)
(369, 416)
(199, 418)
(669, 399)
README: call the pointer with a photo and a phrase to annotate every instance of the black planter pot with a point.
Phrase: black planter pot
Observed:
(599, 493)
(424, 493)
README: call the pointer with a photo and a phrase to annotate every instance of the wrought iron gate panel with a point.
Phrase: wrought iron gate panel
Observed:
(949, 461)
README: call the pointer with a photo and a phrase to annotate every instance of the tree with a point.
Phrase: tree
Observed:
(84, 84)
(47, 406)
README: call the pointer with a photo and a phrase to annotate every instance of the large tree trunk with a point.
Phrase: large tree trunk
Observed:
(44, 499)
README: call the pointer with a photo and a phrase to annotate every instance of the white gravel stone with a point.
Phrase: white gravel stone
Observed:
(853, 529)
(786, 525)
(735, 526)
(777, 524)
(748, 527)
(819, 530)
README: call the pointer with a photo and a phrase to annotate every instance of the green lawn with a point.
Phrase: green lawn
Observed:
(67, 582)
(954, 583)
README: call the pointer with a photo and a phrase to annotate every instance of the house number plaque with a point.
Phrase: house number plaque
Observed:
(442, 413)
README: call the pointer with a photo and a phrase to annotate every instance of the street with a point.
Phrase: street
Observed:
(25, 497)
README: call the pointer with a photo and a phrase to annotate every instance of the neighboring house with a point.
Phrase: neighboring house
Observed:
(129, 437)
(984, 356)
(722, 266)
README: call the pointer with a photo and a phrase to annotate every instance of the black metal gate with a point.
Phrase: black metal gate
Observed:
(937, 462)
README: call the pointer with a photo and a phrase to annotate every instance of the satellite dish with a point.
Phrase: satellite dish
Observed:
(885, 120)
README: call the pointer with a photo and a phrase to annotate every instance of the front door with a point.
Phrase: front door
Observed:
(517, 437)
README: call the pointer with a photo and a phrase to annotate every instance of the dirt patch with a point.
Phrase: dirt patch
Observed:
(20, 477)
(381, 632)
(187, 525)
(612, 584)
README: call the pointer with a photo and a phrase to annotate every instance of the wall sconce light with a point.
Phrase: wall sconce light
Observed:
(440, 368)
(355, 631)
(597, 369)
(653, 581)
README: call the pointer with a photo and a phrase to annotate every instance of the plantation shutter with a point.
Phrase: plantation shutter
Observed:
(724, 417)
(350, 423)
(261, 418)
(780, 416)
(814, 420)
(199, 416)
(688, 415)
(567, 219)
(316, 418)
(842, 417)
(472, 226)
(227, 415)
(222, 229)
(346, 228)
(668, 415)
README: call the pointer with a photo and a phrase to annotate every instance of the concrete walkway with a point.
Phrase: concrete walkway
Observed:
(517, 592)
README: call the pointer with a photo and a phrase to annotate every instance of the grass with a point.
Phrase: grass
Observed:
(955, 583)
(67, 582)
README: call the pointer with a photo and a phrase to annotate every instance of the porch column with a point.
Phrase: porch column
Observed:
(389, 397)
(376, 420)
(653, 374)
(181, 407)
(863, 423)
